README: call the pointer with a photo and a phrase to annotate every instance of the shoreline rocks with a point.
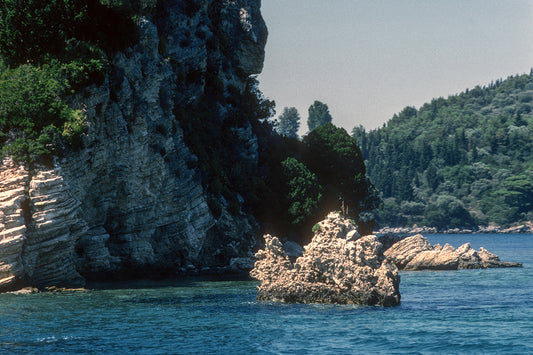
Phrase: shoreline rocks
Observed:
(337, 266)
(526, 228)
(340, 266)
(416, 253)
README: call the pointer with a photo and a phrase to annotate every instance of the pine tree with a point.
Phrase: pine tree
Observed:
(289, 122)
(318, 115)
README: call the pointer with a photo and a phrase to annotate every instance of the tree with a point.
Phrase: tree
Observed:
(517, 191)
(318, 115)
(289, 122)
(31, 113)
(334, 156)
(28, 98)
(304, 191)
(34, 30)
(448, 212)
(31, 29)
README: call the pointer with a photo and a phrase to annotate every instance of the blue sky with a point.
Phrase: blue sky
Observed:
(369, 59)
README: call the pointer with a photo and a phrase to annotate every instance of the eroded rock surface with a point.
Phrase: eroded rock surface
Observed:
(13, 198)
(416, 253)
(337, 266)
(130, 201)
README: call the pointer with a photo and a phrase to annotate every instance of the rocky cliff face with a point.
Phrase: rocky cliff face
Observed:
(130, 201)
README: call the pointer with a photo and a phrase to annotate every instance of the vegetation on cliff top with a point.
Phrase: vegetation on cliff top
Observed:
(48, 51)
(456, 162)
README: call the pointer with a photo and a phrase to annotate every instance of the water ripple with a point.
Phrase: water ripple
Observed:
(470, 311)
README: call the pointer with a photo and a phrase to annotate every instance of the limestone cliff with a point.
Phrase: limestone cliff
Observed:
(130, 201)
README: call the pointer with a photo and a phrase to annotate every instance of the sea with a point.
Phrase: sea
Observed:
(442, 312)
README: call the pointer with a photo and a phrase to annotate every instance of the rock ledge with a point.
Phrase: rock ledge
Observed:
(416, 253)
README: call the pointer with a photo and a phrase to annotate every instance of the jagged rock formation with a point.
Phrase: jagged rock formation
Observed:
(130, 202)
(416, 253)
(338, 266)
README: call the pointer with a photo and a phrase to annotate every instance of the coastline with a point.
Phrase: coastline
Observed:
(526, 228)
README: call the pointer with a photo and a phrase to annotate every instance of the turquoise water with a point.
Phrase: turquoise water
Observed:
(467, 311)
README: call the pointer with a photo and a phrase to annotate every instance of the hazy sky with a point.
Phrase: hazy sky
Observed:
(368, 59)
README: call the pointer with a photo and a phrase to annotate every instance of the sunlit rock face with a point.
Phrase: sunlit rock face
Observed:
(337, 266)
(416, 253)
(129, 202)
(13, 199)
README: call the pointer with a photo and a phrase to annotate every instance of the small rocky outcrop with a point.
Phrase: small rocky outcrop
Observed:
(416, 253)
(337, 266)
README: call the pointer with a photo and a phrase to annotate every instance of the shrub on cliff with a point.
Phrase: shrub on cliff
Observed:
(32, 114)
(49, 50)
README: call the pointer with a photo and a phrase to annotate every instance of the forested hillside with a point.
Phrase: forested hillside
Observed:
(456, 162)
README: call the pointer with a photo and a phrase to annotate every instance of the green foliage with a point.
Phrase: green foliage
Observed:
(73, 127)
(31, 29)
(29, 98)
(289, 122)
(18, 150)
(31, 109)
(48, 51)
(447, 212)
(89, 67)
(35, 30)
(318, 115)
(304, 191)
(515, 197)
(465, 146)
(517, 191)
(307, 179)
(316, 228)
(337, 160)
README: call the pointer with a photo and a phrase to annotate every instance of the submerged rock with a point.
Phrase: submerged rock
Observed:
(338, 266)
(416, 253)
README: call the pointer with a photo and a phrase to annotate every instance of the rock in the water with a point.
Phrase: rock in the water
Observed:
(438, 258)
(402, 252)
(416, 253)
(338, 266)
